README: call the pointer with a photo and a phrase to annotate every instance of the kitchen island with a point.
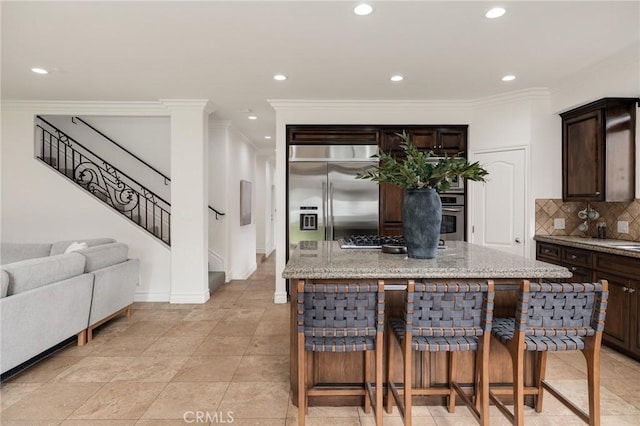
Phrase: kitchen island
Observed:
(325, 260)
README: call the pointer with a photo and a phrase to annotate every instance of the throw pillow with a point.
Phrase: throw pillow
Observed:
(75, 246)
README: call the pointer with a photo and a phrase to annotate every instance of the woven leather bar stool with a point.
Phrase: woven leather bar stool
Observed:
(341, 317)
(443, 317)
(554, 317)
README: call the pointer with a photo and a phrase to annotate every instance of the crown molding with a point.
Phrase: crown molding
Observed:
(365, 105)
(153, 108)
(189, 104)
(534, 93)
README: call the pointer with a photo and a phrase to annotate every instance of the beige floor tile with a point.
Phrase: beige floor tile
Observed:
(276, 344)
(627, 389)
(151, 369)
(223, 345)
(95, 369)
(119, 401)
(235, 328)
(12, 392)
(174, 346)
(268, 328)
(29, 422)
(275, 312)
(73, 350)
(620, 420)
(51, 401)
(208, 369)
(124, 345)
(250, 315)
(147, 329)
(258, 294)
(258, 422)
(171, 422)
(191, 329)
(576, 390)
(86, 422)
(180, 399)
(258, 400)
(46, 369)
(263, 368)
(338, 421)
(172, 315)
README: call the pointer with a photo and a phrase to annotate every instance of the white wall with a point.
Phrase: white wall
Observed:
(148, 138)
(219, 232)
(242, 244)
(264, 174)
(39, 205)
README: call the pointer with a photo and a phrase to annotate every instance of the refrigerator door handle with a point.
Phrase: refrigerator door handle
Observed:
(324, 210)
(331, 210)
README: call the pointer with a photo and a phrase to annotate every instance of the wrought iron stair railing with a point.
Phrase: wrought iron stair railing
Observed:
(114, 187)
(167, 179)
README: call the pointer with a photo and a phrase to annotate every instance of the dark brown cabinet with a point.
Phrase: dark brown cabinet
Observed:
(598, 151)
(621, 330)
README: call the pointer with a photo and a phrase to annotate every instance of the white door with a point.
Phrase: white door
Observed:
(498, 216)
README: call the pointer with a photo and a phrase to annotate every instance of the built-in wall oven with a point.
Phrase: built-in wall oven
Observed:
(453, 217)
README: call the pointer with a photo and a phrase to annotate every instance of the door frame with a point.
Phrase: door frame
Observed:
(529, 204)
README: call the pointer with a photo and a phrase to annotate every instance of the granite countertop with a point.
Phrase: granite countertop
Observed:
(325, 259)
(604, 245)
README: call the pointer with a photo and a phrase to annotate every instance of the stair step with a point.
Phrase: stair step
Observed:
(216, 279)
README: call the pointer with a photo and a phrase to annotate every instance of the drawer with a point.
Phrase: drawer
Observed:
(548, 252)
(576, 257)
(620, 265)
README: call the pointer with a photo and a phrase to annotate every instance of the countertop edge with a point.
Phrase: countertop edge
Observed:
(588, 244)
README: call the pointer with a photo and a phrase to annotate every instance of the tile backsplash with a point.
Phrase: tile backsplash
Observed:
(610, 213)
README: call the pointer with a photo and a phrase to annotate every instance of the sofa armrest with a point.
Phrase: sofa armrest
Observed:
(114, 288)
(35, 320)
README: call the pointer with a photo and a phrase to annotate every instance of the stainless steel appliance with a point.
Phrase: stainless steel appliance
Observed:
(325, 200)
(457, 184)
(453, 217)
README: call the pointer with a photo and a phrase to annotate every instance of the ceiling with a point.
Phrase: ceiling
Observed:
(228, 51)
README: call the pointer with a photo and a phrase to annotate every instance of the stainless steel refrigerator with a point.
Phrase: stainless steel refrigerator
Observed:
(325, 200)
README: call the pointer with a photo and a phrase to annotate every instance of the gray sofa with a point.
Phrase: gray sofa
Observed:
(49, 296)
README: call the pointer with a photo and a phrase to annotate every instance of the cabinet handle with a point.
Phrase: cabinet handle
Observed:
(573, 256)
(574, 268)
(625, 289)
(632, 290)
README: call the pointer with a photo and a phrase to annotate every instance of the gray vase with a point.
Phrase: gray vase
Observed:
(421, 220)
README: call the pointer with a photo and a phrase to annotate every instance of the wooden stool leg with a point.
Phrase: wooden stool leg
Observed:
(408, 377)
(541, 367)
(379, 407)
(518, 388)
(302, 382)
(591, 353)
(482, 383)
(367, 375)
(390, 373)
(453, 368)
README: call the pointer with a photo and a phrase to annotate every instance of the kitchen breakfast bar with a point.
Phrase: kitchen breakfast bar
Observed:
(459, 261)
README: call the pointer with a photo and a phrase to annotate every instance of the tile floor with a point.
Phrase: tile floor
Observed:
(227, 361)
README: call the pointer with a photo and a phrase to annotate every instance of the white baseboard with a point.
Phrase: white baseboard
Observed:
(189, 297)
(280, 297)
(151, 296)
(244, 274)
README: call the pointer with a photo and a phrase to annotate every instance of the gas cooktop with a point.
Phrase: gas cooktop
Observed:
(370, 241)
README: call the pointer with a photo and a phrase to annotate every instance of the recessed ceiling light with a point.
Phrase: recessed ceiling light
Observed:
(496, 12)
(397, 78)
(280, 77)
(252, 117)
(509, 77)
(267, 137)
(39, 70)
(363, 9)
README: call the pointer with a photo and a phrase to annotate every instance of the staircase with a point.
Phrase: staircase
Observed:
(110, 185)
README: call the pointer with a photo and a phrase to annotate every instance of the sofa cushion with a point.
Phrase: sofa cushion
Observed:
(99, 257)
(60, 246)
(15, 252)
(4, 282)
(29, 274)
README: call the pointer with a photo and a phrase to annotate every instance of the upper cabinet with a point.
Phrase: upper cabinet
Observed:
(598, 151)
(442, 140)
